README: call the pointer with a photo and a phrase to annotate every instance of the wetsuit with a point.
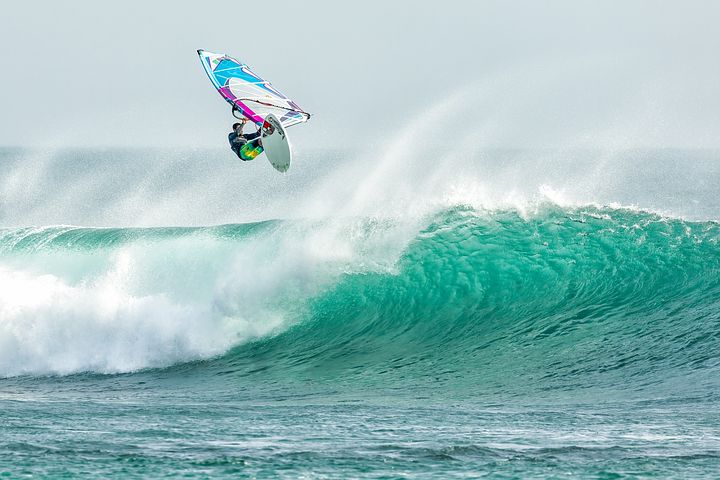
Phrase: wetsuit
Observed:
(246, 146)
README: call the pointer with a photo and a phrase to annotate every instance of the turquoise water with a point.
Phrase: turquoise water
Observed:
(541, 341)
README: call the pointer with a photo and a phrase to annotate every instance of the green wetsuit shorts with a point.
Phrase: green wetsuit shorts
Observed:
(249, 151)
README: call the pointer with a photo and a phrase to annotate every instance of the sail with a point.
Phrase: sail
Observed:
(249, 94)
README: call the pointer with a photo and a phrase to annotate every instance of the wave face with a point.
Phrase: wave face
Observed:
(467, 301)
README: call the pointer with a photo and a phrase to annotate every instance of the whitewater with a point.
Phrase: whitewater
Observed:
(420, 312)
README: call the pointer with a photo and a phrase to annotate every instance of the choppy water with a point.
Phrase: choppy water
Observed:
(457, 332)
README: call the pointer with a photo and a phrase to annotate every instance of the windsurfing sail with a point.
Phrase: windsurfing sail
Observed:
(249, 94)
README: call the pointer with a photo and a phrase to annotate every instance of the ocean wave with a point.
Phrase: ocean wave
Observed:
(491, 301)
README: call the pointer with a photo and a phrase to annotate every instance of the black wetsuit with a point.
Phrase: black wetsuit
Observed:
(238, 141)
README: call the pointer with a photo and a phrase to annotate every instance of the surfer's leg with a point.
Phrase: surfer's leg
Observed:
(257, 147)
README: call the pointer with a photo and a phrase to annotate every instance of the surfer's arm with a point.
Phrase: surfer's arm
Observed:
(251, 136)
(239, 129)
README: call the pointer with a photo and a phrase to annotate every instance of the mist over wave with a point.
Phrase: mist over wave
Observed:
(498, 144)
(447, 247)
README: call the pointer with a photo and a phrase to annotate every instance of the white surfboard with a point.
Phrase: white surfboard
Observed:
(276, 144)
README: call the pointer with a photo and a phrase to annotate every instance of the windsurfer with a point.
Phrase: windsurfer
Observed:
(246, 146)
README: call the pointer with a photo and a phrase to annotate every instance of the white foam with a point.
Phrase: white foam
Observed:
(156, 302)
(50, 327)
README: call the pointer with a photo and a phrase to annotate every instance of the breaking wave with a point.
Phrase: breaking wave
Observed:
(467, 299)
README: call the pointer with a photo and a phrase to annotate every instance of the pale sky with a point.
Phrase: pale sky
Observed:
(96, 73)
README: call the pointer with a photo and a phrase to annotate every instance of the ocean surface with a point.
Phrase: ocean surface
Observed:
(464, 314)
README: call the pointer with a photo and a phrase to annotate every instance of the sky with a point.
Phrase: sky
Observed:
(92, 73)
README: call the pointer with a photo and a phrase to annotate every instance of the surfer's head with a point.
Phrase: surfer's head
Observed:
(236, 125)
